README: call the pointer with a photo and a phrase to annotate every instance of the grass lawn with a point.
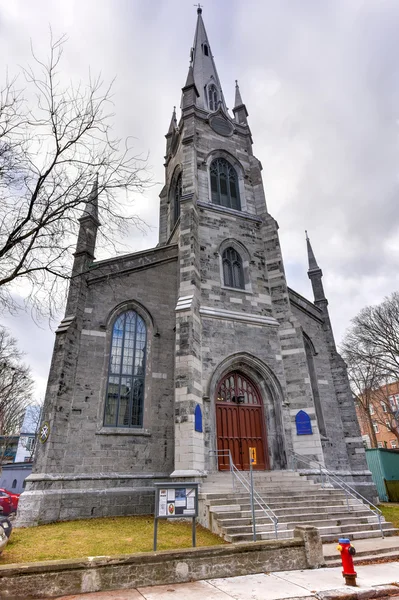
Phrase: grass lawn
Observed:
(100, 537)
(390, 510)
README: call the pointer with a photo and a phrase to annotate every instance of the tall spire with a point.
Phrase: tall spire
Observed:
(315, 274)
(204, 70)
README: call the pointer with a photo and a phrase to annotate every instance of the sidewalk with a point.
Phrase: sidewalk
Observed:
(374, 581)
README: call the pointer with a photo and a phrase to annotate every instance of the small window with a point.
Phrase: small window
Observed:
(177, 194)
(380, 444)
(371, 410)
(233, 273)
(224, 184)
(14, 484)
(384, 407)
(388, 424)
(206, 50)
(375, 425)
(394, 443)
(212, 97)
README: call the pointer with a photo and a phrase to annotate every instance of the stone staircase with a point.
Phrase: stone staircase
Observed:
(294, 499)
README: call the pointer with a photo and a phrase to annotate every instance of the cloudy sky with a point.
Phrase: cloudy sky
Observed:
(321, 84)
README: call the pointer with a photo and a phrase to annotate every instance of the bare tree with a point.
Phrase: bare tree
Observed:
(371, 351)
(15, 391)
(54, 139)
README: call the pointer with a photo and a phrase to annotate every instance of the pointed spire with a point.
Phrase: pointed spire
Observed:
(240, 110)
(173, 122)
(91, 208)
(311, 257)
(204, 69)
(315, 275)
(238, 100)
(190, 91)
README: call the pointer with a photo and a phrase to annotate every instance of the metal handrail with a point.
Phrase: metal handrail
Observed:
(256, 498)
(343, 485)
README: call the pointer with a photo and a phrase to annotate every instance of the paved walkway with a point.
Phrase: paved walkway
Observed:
(367, 545)
(323, 584)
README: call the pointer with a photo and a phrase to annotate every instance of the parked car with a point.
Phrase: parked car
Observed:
(3, 539)
(14, 499)
(6, 525)
(5, 503)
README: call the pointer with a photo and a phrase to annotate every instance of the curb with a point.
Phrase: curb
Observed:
(380, 591)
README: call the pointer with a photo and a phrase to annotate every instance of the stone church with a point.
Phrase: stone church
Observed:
(170, 359)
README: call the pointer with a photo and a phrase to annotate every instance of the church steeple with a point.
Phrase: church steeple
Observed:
(204, 70)
(315, 275)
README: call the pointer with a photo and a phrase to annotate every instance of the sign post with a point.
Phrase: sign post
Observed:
(252, 461)
(176, 501)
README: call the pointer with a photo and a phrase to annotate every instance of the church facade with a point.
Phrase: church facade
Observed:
(172, 361)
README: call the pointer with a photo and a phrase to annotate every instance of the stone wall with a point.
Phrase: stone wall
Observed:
(53, 578)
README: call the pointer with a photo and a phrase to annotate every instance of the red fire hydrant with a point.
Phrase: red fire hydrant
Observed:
(347, 551)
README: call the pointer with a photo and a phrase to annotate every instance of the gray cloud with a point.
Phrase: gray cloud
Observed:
(319, 81)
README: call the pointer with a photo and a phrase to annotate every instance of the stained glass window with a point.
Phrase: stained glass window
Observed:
(224, 184)
(233, 274)
(125, 390)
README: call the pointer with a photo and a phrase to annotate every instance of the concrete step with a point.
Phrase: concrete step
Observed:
(294, 500)
(267, 524)
(300, 517)
(327, 534)
(282, 508)
(323, 525)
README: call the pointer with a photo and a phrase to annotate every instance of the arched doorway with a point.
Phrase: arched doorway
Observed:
(240, 422)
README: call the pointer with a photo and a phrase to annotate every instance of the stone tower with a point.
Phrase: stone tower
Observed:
(171, 359)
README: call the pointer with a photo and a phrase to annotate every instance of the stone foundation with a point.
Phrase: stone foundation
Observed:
(55, 578)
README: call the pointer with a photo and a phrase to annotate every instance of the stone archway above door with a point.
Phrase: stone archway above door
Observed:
(240, 422)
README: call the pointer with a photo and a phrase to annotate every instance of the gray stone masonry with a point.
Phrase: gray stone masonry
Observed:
(198, 331)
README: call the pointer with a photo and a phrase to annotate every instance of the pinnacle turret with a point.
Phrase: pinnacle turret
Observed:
(88, 228)
(239, 110)
(91, 208)
(315, 274)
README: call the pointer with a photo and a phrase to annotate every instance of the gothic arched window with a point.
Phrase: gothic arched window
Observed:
(233, 272)
(310, 352)
(212, 97)
(224, 184)
(177, 194)
(125, 391)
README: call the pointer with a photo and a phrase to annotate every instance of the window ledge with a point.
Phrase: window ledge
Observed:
(123, 431)
(232, 289)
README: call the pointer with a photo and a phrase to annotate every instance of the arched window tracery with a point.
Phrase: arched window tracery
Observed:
(124, 402)
(177, 194)
(224, 184)
(212, 97)
(233, 272)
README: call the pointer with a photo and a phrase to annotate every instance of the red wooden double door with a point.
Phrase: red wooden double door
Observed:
(240, 423)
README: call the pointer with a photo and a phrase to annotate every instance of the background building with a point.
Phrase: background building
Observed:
(382, 415)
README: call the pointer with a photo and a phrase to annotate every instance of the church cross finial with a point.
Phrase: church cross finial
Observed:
(199, 8)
